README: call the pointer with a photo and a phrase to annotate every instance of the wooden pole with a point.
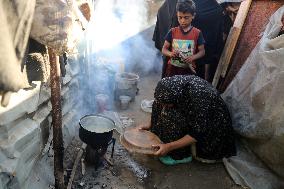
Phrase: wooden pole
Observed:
(231, 42)
(56, 119)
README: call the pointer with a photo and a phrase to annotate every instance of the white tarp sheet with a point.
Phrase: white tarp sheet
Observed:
(256, 101)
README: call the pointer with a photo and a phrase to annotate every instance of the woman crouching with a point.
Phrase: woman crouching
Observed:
(188, 110)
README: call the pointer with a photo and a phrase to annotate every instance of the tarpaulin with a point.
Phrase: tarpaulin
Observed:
(255, 99)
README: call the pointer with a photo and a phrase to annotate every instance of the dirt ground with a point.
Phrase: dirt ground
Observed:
(136, 171)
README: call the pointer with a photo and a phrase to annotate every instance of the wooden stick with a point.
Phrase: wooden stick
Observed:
(83, 166)
(231, 42)
(79, 155)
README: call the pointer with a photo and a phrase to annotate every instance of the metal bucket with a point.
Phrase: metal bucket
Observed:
(126, 85)
(126, 80)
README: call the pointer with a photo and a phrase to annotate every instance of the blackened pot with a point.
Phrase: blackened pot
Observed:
(96, 130)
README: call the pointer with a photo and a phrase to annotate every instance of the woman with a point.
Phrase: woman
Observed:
(187, 110)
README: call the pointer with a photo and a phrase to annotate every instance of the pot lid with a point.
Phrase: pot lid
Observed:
(139, 141)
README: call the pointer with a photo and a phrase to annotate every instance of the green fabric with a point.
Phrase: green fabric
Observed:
(168, 160)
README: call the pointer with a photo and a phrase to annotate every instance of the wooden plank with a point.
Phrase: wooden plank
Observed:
(231, 42)
(239, 22)
(226, 54)
(235, 33)
(242, 14)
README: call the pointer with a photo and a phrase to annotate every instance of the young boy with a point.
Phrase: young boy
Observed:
(183, 44)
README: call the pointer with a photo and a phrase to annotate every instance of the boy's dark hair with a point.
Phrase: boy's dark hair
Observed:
(186, 6)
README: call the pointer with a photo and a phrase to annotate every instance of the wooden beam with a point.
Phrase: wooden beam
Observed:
(226, 54)
(231, 42)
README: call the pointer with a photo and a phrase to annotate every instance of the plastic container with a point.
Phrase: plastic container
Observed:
(124, 102)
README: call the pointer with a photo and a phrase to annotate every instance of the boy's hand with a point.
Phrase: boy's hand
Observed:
(174, 54)
(189, 59)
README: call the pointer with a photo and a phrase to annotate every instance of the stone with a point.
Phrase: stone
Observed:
(19, 153)
(67, 78)
(45, 93)
(42, 113)
(64, 90)
(73, 68)
(7, 129)
(22, 102)
(70, 125)
(22, 134)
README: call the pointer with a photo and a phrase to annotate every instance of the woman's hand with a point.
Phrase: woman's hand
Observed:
(163, 149)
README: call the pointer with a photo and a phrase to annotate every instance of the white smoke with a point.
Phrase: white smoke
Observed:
(118, 38)
(114, 21)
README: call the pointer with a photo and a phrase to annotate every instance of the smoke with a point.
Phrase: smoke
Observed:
(114, 21)
(120, 32)
(118, 39)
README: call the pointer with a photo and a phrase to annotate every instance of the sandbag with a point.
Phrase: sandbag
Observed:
(16, 19)
(58, 24)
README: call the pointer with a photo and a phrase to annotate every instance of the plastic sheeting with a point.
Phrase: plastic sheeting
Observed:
(255, 99)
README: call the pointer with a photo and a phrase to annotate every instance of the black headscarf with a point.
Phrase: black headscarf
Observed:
(170, 90)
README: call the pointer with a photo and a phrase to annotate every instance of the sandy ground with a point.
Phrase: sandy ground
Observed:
(141, 171)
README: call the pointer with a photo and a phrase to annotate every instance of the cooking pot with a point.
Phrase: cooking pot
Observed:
(96, 130)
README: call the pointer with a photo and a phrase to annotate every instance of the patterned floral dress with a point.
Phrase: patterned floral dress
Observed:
(198, 111)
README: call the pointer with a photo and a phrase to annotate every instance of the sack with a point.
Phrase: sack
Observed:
(58, 24)
(16, 20)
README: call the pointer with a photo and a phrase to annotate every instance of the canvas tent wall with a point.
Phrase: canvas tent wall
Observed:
(257, 17)
(255, 99)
